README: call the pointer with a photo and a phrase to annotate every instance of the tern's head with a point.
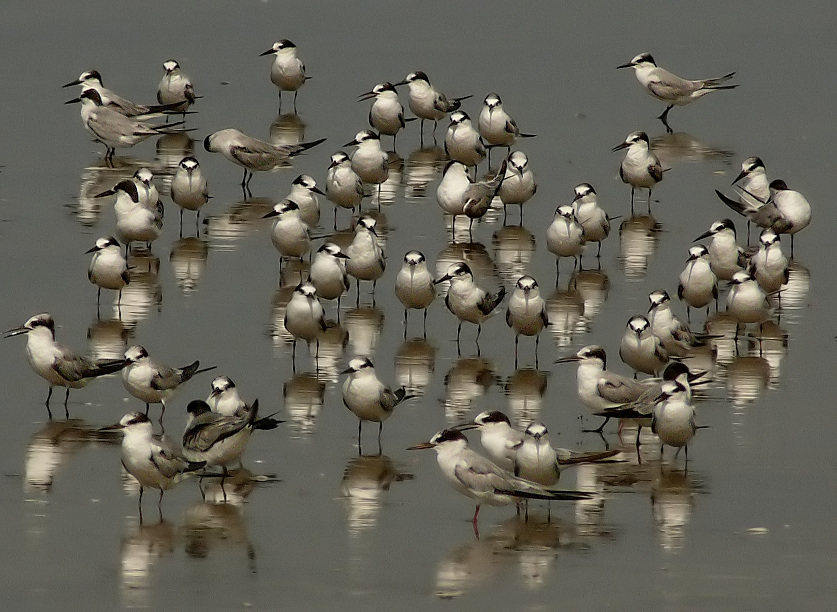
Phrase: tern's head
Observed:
(672, 388)
(768, 238)
(527, 285)
(170, 66)
(88, 95)
(674, 369)
(307, 290)
(536, 430)
(459, 117)
(582, 191)
(366, 223)
(91, 77)
(638, 325)
(39, 321)
(724, 225)
(380, 88)
(221, 384)
(339, 158)
(778, 185)
(566, 212)
(518, 161)
(643, 60)
(134, 423)
(751, 165)
(135, 353)
(589, 354)
(634, 138)
(281, 208)
(457, 271)
(303, 181)
(280, 46)
(415, 77)
(456, 168)
(414, 258)
(492, 101)
(491, 417)
(361, 363)
(447, 438)
(362, 137)
(189, 164)
(698, 252)
(103, 243)
(658, 298)
(144, 175)
(331, 249)
(741, 277)
(197, 408)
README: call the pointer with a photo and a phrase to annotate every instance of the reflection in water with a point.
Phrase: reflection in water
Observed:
(771, 342)
(364, 326)
(672, 501)
(143, 293)
(683, 147)
(565, 311)
(108, 339)
(638, 237)
(171, 149)
(414, 365)
(304, 395)
(525, 390)
(364, 479)
(421, 168)
(239, 221)
(794, 295)
(209, 526)
(52, 447)
(100, 177)
(476, 256)
(593, 286)
(333, 343)
(390, 187)
(746, 378)
(287, 129)
(722, 327)
(238, 485)
(142, 546)
(188, 262)
(514, 247)
(465, 383)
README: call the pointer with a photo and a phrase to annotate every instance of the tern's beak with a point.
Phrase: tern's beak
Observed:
(104, 194)
(268, 52)
(347, 371)
(73, 101)
(399, 83)
(706, 234)
(740, 176)
(93, 250)
(272, 213)
(446, 277)
(569, 359)
(16, 332)
(421, 446)
(628, 65)
(619, 147)
(215, 393)
(112, 427)
(342, 255)
(464, 427)
(366, 96)
(577, 197)
(317, 190)
(351, 144)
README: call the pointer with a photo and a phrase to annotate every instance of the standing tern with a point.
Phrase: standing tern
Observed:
(290, 234)
(153, 382)
(188, 188)
(592, 217)
(56, 363)
(108, 267)
(386, 115)
(497, 127)
(304, 317)
(754, 191)
(640, 169)
(519, 182)
(427, 102)
(328, 273)
(414, 286)
(640, 349)
(746, 300)
(674, 417)
(369, 161)
(526, 312)
(482, 480)
(287, 71)
(565, 238)
(669, 87)
(366, 258)
(675, 335)
(463, 142)
(769, 266)
(367, 397)
(343, 185)
(304, 192)
(725, 256)
(252, 154)
(698, 284)
(466, 300)
(176, 88)
(136, 221)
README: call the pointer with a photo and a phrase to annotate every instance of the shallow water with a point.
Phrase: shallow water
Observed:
(747, 526)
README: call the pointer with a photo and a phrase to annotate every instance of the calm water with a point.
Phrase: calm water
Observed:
(748, 526)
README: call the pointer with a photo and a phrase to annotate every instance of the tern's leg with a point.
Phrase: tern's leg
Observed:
(405, 324)
(599, 429)
(295, 94)
(223, 478)
(458, 331)
(181, 222)
(359, 429)
(293, 356)
(147, 408)
(476, 529)
(557, 270)
(632, 200)
(599, 252)
(664, 118)
(521, 215)
(421, 134)
(98, 297)
(425, 324)
(139, 504)
(516, 341)
(46, 403)
(163, 411)
(67, 399)
(537, 342)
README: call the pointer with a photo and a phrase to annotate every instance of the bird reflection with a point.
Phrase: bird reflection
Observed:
(414, 365)
(287, 129)
(722, 327)
(333, 343)
(421, 168)
(593, 286)
(772, 344)
(108, 339)
(304, 396)
(171, 149)
(514, 247)
(794, 294)
(672, 502)
(746, 379)
(239, 221)
(683, 147)
(54, 445)
(638, 237)
(144, 292)
(525, 390)
(465, 383)
(390, 187)
(475, 255)
(142, 546)
(364, 480)
(98, 178)
(188, 262)
(364, 326)
(565, 311)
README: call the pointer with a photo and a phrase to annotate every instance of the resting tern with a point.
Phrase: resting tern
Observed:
(426, 101)
(93, 80)
(414, 286)
(188, 188)
(526, 312)
(287, 71)
(224, 398)
(466, 300)
(640, 169)
(725, 256)
(108, 267)
(176, 88)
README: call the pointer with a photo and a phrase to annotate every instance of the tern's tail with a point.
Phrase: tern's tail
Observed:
(588, 457)
(547, 494)
(713, 83)
(190, 370)
(304, 146)
(109, 366)
(736, 205)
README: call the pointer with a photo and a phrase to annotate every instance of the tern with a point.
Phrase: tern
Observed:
(304, 192)
(466, 300)
(366, 258)
(369, 161)
(136, 219)
(497, 127)
(414, 286)
(674, 417)
(746, 300)
(526, 312)
(108, 267)
(153, 382)
(93, 80)
(252, 154)
(519, 182)
(386, 115)
(640, 169)
(565, 237)
(188, 188)
(328, 273)
(669, 87)
(754, 191)
(427, 102)
(176, 88)
(56, 363)
(698, 284)
(304, 317)
(458, 195)
(290, 234)
(726, 257)
(224, 398)
(287, 71)
(463, 142)
(482, 480)
(769, 266)
(640, 349)
(343, 185)
(592, 217)
(675, 335)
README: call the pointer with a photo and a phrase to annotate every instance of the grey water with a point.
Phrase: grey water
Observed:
(748, 524)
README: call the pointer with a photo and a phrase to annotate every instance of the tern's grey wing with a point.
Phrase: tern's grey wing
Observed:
(258, 155)
(619, 390)
(210, 428)
(656, 171)
(71, 366)
(388, 399)
(165, 378)
(511, 127)
(441, 103)
(167, 457)
(683, 334)
(670, 87)
(480, 475)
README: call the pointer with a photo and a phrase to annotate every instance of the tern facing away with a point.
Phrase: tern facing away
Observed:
(669, 87)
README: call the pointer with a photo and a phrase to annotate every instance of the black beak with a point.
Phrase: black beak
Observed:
(268, 52)
(73, 101)
(619, 147)
(317, 190)
(740, 176)
(76, 82)
(272, 213)
(706, 234)
(446, 277)
(628, 65)
(366, 96)
(93, 250)
(568, 359)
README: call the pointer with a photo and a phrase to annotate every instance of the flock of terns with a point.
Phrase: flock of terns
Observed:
(522, 465)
